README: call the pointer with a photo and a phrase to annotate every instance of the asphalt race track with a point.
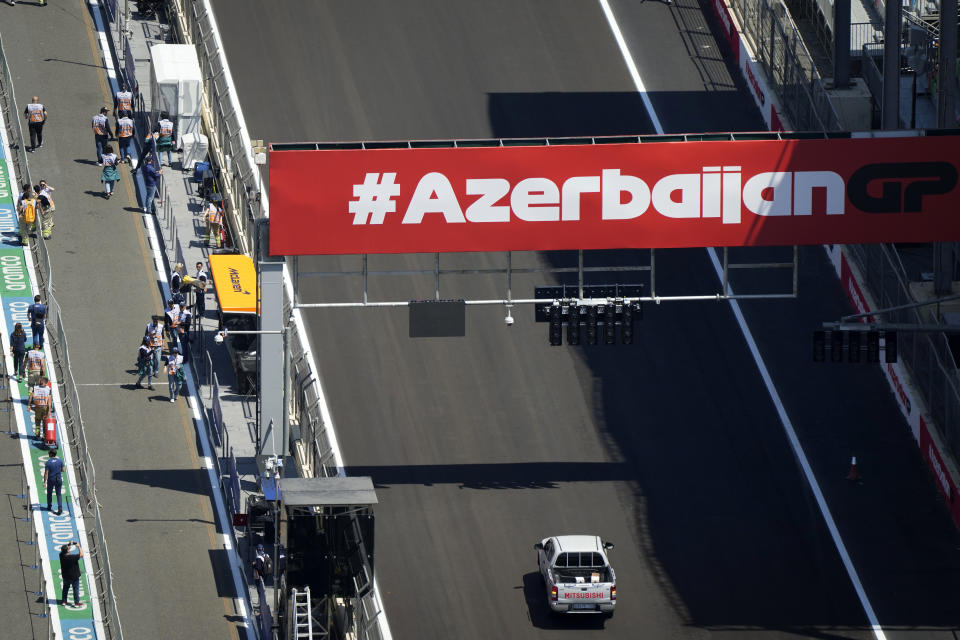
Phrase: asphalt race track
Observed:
(671, 447)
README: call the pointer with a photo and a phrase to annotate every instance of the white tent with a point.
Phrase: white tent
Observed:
(177, 87)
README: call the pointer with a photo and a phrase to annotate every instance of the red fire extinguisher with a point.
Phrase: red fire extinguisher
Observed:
(50, 431)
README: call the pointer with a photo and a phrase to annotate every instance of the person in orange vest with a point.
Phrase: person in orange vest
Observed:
(123, 102)
(36, 367)
(40, 400)
(124, 137)
(36, 115)
(165, 141)
(214, 215)
(101, 133)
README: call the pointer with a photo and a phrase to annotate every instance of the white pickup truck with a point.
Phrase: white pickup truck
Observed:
(577, 575)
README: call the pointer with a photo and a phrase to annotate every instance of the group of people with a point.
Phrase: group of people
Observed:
(31, 364)
(35, 202)
(172, 327)
(156, 142)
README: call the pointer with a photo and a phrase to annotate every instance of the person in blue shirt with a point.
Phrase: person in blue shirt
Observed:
(37, 312)
(151, 180)
(53, 479)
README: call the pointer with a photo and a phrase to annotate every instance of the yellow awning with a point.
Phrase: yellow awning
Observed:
(235, 279)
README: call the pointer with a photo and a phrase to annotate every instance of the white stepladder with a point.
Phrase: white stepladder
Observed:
(301, 622)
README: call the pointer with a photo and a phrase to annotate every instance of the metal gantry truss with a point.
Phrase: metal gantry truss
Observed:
(508, 271)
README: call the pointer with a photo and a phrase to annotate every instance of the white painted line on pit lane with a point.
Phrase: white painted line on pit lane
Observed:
(755, 352)
(631, 66)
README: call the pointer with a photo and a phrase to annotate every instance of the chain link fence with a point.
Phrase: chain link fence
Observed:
(789, 67)
(926, 355)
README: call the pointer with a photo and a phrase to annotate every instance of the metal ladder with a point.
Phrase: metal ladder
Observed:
(301, 620)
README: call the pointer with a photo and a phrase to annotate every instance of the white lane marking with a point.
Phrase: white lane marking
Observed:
(798, 451)
(755, 352)
(631, 66)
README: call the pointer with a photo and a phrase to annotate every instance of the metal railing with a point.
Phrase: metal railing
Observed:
(789, 67)
(239, 177)
(927, 356)
(72, 423)
(71, 419)
(14, 131)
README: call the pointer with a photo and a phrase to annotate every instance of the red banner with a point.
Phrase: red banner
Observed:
(612, 196)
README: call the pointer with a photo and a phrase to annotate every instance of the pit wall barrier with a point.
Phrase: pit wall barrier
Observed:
(933, 447)
(911, 401)
(750, 68)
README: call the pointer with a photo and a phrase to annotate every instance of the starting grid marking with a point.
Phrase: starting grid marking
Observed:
(17, 288)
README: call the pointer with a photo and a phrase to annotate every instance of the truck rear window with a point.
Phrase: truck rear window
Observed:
(584, 560)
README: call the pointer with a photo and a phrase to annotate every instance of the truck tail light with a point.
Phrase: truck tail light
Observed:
(553, 593)
(613, 592)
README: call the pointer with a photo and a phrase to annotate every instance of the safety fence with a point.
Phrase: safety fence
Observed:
(40, 594)
(927, 355)
(201, 368)
(240, 181)
(14, 131)
(779, 47)
(72, 423)
(239, 175)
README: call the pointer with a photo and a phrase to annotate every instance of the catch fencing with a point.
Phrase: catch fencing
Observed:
(240, 182)
(72, 423)
(926, 355)
(239, 176)
(789, 67)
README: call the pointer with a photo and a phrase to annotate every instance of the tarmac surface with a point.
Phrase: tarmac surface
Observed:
(480, 446)
(671, 447)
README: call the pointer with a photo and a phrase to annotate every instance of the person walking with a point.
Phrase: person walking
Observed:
(47, 208)
(183, 327)
(214, 215)
(154, 332)
(36, 115)
(145, 364)
(109, 175)
(171, 318)
(101, 133)
(175, 373)
(53, 480)
(40, 400)
(27, 214)
(123, 102)
(70, 555)
(18, 349)
(200, 284)
(37, 313)
(36, 365)
(151, 180)
(124, 137)
(165, 139)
